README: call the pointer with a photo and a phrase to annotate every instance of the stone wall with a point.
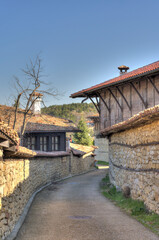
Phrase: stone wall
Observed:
(20, 178)
(134, 161)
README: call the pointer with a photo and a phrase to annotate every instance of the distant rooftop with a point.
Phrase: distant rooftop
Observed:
(7, 115)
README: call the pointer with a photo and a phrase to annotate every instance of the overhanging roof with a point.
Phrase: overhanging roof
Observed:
(140, 72)
(38, 127)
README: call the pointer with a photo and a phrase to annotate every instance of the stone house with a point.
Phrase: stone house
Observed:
(24, 172)
(128, 107)
(43, 132)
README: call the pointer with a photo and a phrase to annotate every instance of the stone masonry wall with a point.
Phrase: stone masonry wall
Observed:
(20, 178)
(134, 161)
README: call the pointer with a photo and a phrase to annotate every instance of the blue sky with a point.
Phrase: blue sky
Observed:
(81, 42)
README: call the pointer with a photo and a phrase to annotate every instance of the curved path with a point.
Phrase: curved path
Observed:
(75, 210)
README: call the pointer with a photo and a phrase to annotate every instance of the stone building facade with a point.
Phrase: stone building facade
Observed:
(134, 156)
(129, 117)
(23, 172)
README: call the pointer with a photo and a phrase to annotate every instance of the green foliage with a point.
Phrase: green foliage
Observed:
(83, 137)
(134, 207)
(71, 111)
(103, 163)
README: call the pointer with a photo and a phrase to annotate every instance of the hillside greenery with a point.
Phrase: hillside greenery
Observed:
(73, 111)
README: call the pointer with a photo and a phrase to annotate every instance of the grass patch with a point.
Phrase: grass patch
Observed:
(135, 208)
(103, 163)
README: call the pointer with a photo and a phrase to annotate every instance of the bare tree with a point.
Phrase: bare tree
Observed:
(26, 92)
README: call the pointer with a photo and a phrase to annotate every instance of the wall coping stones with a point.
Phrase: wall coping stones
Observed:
(144, 117)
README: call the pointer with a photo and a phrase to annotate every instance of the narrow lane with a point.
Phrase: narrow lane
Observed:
(76, 210)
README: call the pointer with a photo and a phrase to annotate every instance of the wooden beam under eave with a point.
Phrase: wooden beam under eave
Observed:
(104, 101)
(11, 149)
(153, 84)
(129, 106)
(96, 106)
(4, 143)
(138, 93)
(2, 137)
(115, 99)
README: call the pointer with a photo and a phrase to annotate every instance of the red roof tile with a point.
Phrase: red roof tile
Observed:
(153, 67)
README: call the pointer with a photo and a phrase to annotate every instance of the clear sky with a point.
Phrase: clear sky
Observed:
(81, 42)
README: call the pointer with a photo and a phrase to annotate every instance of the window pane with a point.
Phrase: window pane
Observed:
(56, 147)
(33, 140)
(45, 140)
(28, 142)
(41, 140)
(45, 148)
(53, 144)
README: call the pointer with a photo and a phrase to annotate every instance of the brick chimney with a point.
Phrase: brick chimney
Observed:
(36, 107)
(123, 69)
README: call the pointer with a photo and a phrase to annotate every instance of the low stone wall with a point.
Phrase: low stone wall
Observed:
(134, 161)
(20, 178)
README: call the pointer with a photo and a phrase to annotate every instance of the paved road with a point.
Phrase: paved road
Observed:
(76, 210)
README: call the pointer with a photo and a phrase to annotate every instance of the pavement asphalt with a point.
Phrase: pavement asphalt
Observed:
(75, 209)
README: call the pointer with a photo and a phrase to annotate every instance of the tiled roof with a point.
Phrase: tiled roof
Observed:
(12, 135)
(81, 149)
(21, 152)
(7, 115)
(94, 116)
(37, 127)
(153, 67)
(143, 117)
(52, 154)
(9, 132)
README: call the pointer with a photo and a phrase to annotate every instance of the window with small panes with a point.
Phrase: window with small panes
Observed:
(46, 142)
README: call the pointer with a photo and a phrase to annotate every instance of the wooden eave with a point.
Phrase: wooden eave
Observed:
(52, 131)
(7, 144)
(93, 92)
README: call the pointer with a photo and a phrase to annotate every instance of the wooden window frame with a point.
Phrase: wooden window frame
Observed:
(30, 144)
(55, 145)
(42, 144)
(54, 142)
